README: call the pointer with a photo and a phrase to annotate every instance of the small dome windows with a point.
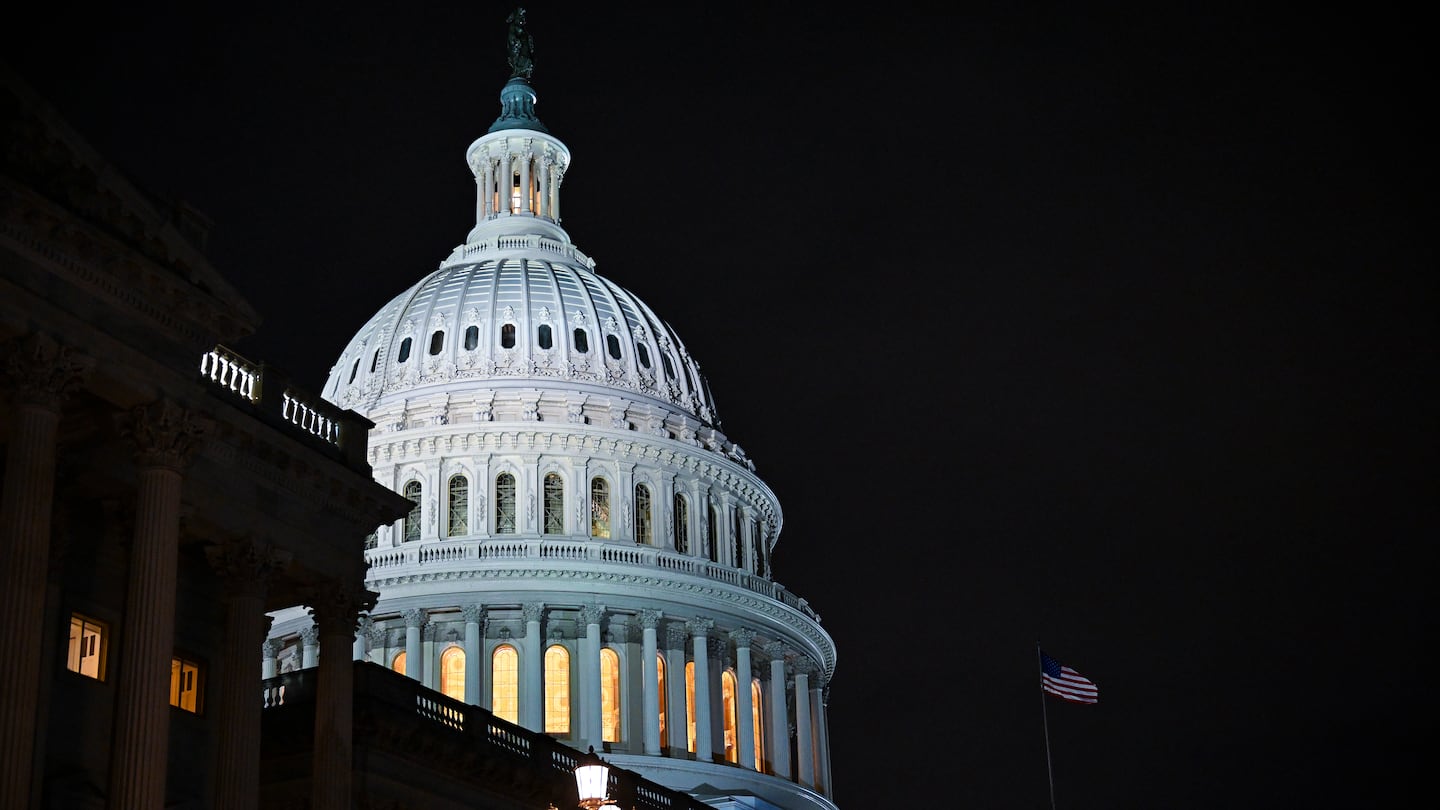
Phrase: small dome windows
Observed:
(507, 336)
(544, 337)
(355, 369)
(404, 351)
(643, 353)
(613, 344)
(582, 342)
(472, 338)
(375, 361)
(669, 369)
(437, 342)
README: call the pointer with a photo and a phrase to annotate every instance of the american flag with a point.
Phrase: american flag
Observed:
(1064, 682)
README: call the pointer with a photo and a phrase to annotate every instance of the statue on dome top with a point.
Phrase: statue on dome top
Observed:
(521, 46)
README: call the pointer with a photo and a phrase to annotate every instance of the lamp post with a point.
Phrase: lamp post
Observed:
(592, 780)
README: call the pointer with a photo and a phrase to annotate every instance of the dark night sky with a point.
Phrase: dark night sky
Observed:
(1107, 329)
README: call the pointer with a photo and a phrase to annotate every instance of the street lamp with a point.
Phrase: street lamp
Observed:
(592, 778)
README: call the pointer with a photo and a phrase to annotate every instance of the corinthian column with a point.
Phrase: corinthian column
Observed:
(704, 745)
(650, 680)
(592, 724)
(532, 669)
(804, 734)
(336, 610)
(165, 436)
(676, 720)
(244, 567)
(474, 627)
(744, 701)
(41, 373)
(780, 722)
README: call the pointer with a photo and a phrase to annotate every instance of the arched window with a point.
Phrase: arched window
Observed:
(412, 520)
(609, 695)
(355, 369)
(557, 690)
(613, 344)
(713, 524)
(660, 684)
(755, 714)
(643, 354)
(582, 342)
(504, 503)
(690, 706)
(404, 351)
(644, 527)
(472, 338)
(737, 540)
(543, 337)
(452, 672)
(681, 516)
(459, 521)
(599, 507)
(729, 716)
(504, 683)
(757, 547)
(507, 336)
(554, 504)
(398, 662)
(437, 342)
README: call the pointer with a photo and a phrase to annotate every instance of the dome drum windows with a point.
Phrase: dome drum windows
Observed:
(681, 517)
(472, 338)
(404, 353)
(459, 511)
(411, 531)
(507, 336)
(643, 354)
(554, 504)
(612, 345)
(644, 522)
(581, 341)
(544, 337)
(504, 503)
(600, 508)
(437, 342)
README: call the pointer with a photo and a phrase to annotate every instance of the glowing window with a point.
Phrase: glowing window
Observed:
(582, 342)
(613, 344)
(543, 337)
(728, 715)
(557, 690)
(86, 654)
(660, 682)
(404, 351)
(459, 512)
(644, 528)
(554, 504)
(681, 517)
(472, 338)
(755, 714)
(504, 503)
(599, 507)
(609, 695)
(504, 684)
(643, 354)
(507, 336)
(398, 663)
(452, 672)
(185, 683)
(690, 706)
(412, 520)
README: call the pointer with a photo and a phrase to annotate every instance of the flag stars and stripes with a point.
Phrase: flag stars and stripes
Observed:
(1065, 683)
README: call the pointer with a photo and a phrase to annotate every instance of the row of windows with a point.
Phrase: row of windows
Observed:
(505, 694)
(544, 338)
(553, 518)
(88, 648)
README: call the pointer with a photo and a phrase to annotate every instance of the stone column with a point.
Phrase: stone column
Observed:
(335, 610)
(310, 647)
(361, 651)
(592, 725)
(650, 680)
(527, 161)
(544, 193)
(474, 616)
(489, 190)
(532, 669)
(822, 740)
(744, 702)
(779, 721)
(699, 630)
(41, 373)
(804, 735)
(414, 658)
(676, 721)
(269, 666)
(245, 567)
(379, 636)
(431, 671)
(165, 436)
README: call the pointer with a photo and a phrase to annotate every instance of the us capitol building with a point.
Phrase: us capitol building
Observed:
(587, 554)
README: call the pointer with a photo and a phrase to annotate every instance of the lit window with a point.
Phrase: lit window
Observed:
(660, 683)
(472, 338)
(690, 706)
(412, 520)
(609, 695)
(404, 351)
(544, 337)
(728, 714)
(507, 336)
(582, 343)
(557, 690)
(599, 508)
(459, 505)
(554, 504)
(504, 503)
(86, 654)
(504, 688)
(613, 344)
(681, 516)
(644, 530)
(452, 673)
(185, 683)
(437, 342)
(398, 663)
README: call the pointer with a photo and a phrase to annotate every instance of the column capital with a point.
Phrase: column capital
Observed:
(650, 619)
(676, 634)
(245, 565)
(164, 434)
(473, 613)
(776, 650)
(310, 636)
(41, 371)
(269, 648)
(700, 626)
(533, 611)
(427, 631)
(742, 637)
(719, 648)
(336, 608)
(414, 617)
(378, 634)
(592, 614)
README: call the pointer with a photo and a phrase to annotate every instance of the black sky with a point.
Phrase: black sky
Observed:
(1112, 329)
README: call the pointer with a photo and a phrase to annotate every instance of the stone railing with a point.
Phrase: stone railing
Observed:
(270, 395)
(459, 552)
(400, 708)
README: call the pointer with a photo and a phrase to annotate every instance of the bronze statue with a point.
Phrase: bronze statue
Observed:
(522, 46)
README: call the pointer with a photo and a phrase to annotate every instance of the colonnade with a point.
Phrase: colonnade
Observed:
(518, 179)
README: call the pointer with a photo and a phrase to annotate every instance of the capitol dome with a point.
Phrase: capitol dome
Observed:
(588, 555)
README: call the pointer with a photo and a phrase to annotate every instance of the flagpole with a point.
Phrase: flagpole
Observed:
(1045, 718)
